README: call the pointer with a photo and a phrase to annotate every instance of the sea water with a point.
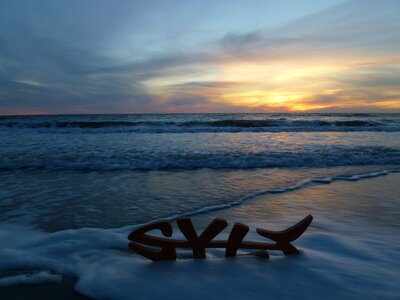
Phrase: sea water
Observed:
(61, 175)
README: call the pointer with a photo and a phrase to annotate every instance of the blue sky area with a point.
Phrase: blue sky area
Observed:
(98, 56)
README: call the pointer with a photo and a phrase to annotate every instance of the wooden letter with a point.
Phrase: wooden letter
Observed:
(139, 236)
(199, 243)
(235, 239)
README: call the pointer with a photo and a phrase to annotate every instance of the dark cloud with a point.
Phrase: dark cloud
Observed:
(53, 57)
(238, 44)
(262, 45)
(48, 64)
(353, 97)
(69, 74)
(195, 85)
(370, 27)
(188, 101)
(371, 77)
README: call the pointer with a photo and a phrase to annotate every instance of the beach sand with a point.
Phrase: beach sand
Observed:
(54, 291)
(351, 251)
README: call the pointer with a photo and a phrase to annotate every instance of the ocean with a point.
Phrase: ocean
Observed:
(70, 176)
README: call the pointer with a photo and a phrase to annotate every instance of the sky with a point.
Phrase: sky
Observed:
(176, 56)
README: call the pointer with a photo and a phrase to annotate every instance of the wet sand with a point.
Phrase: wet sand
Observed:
(331, 204)
(63, 290)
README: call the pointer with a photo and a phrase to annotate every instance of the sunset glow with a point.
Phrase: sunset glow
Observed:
(314, 58)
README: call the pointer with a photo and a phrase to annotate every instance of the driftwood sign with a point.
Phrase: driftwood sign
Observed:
(140, 240)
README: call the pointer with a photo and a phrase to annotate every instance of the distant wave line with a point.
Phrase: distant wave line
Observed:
(316, 157)
(228, 125)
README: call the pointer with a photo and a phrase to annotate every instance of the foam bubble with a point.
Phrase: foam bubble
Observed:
(30, 278)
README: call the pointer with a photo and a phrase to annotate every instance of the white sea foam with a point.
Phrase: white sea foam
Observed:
(341, 257)
(206, 123)
(198, 159)
(339, 260)
(30, 278)
(331, 266)
(96, 148)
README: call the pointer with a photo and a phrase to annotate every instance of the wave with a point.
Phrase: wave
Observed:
(227, 125)
(315, 157)
(300, 185)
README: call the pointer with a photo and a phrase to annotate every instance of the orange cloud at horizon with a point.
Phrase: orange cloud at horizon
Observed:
(292, 86)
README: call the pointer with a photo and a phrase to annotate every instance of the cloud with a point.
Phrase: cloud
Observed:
(62, 58)
(188, 101)
(44, 68)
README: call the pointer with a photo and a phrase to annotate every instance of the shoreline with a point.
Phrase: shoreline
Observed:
(331, 204)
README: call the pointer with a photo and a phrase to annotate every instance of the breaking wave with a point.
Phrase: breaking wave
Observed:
(282, 190)
(227, 125)
(316, 157)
